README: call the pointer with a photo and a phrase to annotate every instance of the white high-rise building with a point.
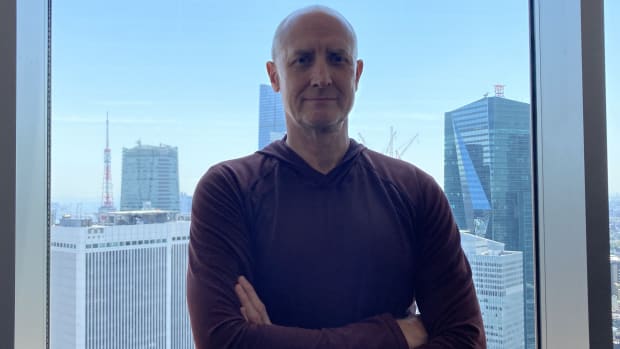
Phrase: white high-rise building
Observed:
(120, 285)
(498, 277)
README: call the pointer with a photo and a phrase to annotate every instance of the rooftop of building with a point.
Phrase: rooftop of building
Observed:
(124, 218)
(482, 246)
(160, 147)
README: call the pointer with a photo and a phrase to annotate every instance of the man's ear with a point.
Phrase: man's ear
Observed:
(273, 76)
(359, 67)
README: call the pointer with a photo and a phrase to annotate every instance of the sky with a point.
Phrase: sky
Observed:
(186, 73)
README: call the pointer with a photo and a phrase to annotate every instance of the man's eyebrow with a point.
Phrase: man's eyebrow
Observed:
(302, 52)
(340, 51)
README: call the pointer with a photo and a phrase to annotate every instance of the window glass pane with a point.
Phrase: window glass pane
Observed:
(148, 95)
(612, 82)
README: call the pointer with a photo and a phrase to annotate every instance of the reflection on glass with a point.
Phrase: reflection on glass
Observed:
(185, 87)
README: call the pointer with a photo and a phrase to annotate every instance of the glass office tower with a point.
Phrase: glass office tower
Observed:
(487, 174)
(271, 124)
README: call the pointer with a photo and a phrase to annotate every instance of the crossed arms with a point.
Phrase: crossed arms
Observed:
(226, 315)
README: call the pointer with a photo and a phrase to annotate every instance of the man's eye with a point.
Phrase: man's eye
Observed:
(336, 58)
(302, 60)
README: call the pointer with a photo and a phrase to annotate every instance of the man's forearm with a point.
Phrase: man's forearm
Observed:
(218, 324)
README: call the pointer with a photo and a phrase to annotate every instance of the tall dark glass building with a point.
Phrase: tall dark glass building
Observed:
(487, 173)
(271, 124)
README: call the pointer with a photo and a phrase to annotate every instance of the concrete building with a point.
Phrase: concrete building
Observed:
(498, 277)
(150, 178)
(119, 285)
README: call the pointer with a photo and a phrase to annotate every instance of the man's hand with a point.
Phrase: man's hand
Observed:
(252, 309)
(414, 330)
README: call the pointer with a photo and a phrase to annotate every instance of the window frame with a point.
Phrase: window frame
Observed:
(568, 95)
(568, 83)
(24, 103)
(7, 178)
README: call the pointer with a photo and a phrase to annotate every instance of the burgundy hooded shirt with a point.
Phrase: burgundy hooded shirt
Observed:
(336, 258)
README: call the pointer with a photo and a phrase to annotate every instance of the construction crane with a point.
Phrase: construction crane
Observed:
(392, 150)
(398, 153)
(362, 139)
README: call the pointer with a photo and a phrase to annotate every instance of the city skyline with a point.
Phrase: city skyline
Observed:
(180, 84)
(184, 86)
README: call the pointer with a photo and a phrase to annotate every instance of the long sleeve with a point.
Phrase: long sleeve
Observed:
(220, 251)
(445, 291)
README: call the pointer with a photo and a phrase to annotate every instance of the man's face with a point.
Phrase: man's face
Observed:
(315, 70)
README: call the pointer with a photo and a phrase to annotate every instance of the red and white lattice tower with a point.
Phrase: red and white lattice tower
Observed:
(107, 203)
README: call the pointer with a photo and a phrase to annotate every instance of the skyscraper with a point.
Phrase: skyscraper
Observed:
(271, 124)
(487, 173)
(120, 285)
(498, 277)
(150, 178)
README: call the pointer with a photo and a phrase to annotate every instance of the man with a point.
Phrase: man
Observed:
(316, 241)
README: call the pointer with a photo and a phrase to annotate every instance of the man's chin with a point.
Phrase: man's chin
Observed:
(325, 124)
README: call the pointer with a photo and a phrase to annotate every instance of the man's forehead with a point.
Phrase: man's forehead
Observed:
(312, 37)
(317, 23)
(312, 46)
(314, 27)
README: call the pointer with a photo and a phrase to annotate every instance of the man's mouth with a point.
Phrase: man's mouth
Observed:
(320, 99)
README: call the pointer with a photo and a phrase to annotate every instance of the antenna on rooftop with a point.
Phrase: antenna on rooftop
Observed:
(499, 90)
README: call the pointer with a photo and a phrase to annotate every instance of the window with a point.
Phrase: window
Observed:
(146, 95)
(31, 188)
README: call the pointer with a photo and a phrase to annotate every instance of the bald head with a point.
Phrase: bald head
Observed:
(292, 19)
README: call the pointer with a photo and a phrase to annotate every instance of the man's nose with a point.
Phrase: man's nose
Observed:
(321, 76)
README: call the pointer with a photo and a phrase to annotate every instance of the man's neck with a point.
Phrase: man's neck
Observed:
(321, 150)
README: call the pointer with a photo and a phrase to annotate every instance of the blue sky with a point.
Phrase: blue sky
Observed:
(187, 73)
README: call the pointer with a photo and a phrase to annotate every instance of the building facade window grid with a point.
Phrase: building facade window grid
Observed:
(124, 288)
(488, 181)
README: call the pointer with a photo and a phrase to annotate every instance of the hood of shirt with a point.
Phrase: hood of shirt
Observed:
(288, 157)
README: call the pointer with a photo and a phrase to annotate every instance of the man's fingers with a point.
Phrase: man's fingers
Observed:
(256, 302)
(243, 313)
(249, 311)
(249, 290)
